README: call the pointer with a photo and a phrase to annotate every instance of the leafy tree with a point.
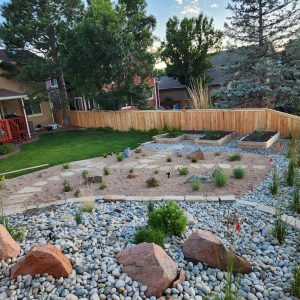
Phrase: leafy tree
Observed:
(37, 25)
(259, 31)
(115, 53)
(187, 46)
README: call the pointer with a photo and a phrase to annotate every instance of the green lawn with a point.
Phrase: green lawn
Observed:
(68, 146)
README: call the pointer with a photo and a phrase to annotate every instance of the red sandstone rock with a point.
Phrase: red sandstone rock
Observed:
(43, 259)
(149, 264)
(9, 248)
(206, 247)
(198, 154)
(181, 278)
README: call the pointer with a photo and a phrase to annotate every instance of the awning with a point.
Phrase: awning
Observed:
(10, 95)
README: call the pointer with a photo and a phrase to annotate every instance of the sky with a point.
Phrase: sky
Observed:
(164, 9)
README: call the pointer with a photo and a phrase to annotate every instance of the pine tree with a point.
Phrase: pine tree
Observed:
(260, 30)
(37, 25)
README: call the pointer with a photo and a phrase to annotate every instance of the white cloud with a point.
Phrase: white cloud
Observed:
(215, 5)
(191, 10)
(179, 1)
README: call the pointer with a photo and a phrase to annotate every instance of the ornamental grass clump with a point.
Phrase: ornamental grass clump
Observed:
(88, 206)
(169, 159)
(291, 172)
(196, 184)
(120, 157)
(79, 216)
(102, 186)
(221, 178)
(168, 218)
(235, 157)
(152, 182)
(194, 159)
(274, 186)
(66, 166)
(149, 235)
(106, 171)
(295, 288)
(279, 231)
(239, 172)
(183, 171)
(296, 200)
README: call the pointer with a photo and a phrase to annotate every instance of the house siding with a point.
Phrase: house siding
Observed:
(44, 118)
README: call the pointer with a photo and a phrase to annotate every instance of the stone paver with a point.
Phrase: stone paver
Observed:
(165, 168)
(173, 198)
(259, 167)
(41, 183)
(131, 164)
(146, 161)
(29, 189)
(54, 178)
(195, 166)
(152, 167)
(194, 198)
(207, 166)
(212, 199)
(143, 166)
(117, 166)
(227, 198)
(67, 174)
(19, 198)
(225, 166)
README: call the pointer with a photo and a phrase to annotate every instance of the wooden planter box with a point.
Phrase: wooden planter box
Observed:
(216, 143)
(192, 136)
(165, 139)
(259, 145)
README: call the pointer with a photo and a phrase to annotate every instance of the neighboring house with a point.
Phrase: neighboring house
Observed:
(171, 93)
(18, 115)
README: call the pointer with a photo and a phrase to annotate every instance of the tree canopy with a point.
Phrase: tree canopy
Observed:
(186, 48)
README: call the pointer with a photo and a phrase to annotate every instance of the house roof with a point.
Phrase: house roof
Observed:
(167, 83)
(10, 56)
(10, 95)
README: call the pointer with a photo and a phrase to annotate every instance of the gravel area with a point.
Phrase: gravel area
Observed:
(92, 248)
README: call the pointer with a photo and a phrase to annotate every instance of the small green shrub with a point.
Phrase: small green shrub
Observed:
(169, 218)
(156, 172)
(88, 206)
(221, 178)
(169, 159)
(296, 200)
(183, 171)
(6, 148)
(66, 186)
(106, 171)
(295, 290)
(217, 153)
(120, 157)
(239, 172)
(235, 157)
(79, 216)
(77, 194)
(274, 186)
(149, 235)
(150, 207)
(16, 233)
(194, 159)
(138, 150)
(102, 186)
(196, 185)
(2, 180)
(66, 166)
(291, 173)
(104, 155)
(152, 182)
(279, 230)
(84, 173)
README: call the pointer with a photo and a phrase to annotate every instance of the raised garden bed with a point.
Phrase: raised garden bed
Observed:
(193, 134)
(168, 138)
(259, 139)
(215, 137)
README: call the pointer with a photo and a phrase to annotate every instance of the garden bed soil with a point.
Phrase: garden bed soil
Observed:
(215, 138)
(260, 140)
(118, 183)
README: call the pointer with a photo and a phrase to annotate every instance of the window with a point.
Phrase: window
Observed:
(32, 108)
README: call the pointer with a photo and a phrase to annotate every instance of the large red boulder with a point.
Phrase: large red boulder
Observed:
(197, 154)
(207, 248)
(149, 264)
(9, 248)
(43, 259)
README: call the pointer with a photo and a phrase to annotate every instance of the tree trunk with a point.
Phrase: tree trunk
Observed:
(64, 99)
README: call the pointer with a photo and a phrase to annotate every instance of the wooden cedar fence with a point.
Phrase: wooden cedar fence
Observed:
(242, 121)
